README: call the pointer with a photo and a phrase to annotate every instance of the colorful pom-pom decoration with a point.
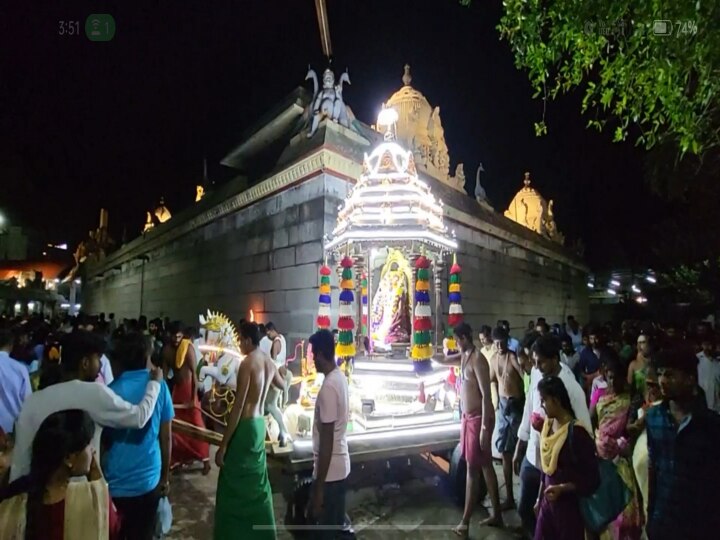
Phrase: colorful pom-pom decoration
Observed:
(364, 294)
(324, 300)
(455, 311)
(422, 349)
(345, 348)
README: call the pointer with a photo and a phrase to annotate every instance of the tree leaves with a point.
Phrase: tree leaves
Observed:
(657, 88)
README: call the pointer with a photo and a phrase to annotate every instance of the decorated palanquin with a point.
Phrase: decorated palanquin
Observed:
(389, 250)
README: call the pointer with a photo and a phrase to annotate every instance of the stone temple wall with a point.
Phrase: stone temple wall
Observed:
(265, 255)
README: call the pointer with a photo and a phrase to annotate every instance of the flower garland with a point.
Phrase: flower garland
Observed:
(422, 350)
(455, 311)
(345, 349)
(363, 292)
(323, 317)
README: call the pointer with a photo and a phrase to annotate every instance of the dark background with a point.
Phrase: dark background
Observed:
(87, 124)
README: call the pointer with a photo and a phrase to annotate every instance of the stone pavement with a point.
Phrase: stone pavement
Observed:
(418, 509)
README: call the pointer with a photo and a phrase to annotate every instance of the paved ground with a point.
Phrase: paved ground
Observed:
(417, 509)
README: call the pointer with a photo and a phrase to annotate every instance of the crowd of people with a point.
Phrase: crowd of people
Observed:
(576, 412)
(87, 398)
(571, 411)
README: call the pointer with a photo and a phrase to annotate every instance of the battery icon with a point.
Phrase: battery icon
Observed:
(662, 28)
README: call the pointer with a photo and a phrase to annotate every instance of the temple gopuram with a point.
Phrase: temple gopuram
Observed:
(257, 242)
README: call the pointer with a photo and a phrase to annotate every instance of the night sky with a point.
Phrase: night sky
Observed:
(119, 124)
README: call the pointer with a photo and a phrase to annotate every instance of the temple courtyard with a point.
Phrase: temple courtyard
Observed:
(419, 508)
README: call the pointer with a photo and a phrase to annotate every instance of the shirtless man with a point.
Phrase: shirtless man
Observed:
(506, 375)
(244, 506)
(478, 421)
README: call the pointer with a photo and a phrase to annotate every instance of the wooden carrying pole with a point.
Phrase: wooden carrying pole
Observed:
(321, 9)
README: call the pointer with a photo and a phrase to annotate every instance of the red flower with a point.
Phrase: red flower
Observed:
(346, 323)
(422, 323)
(422, 262)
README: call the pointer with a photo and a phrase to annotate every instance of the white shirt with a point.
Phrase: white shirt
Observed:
(104, 406)
(570, 361)
(282, 353)
(533, 404)
(709, 380)
(576, 338)
(265, 345)
(332, 406)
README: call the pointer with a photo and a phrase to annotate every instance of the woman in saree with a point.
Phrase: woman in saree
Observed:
(613, 410)
(636, 428)
(46, 504)
(569, 466)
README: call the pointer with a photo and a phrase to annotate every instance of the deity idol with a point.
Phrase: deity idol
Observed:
(391, 304)
(221, 355)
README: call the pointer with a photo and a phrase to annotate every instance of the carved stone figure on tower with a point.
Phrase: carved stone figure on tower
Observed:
(458, 181)
(480, 194)
(162, 213)
(328, 101)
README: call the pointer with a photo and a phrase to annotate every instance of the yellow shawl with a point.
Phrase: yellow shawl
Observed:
(182, 352)
(86, 513)
(550, 445)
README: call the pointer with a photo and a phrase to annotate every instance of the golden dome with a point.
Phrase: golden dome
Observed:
(419, 128)
(531, 210)
(414, 112)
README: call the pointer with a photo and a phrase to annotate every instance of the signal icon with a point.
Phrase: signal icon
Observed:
(100, 27)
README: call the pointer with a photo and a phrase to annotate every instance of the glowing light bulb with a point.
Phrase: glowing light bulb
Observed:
(387, 117)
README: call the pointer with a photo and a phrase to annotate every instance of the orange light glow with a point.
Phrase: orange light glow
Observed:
(252, 316)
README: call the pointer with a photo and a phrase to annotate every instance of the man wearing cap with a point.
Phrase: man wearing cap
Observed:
(683, 440)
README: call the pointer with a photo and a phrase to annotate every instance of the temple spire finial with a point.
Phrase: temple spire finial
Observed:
(407, 78)
(526, 181)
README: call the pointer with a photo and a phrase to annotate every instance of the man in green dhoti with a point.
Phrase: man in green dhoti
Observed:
(243, 505)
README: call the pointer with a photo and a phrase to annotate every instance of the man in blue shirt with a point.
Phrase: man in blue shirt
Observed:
(137, 462)
(14, 384)
(683, 439)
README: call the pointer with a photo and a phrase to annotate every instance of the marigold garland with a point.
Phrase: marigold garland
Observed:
(422, 349)
(345, 348)
(323, 317)
(455, 311)
(455, 316)
(364, 294)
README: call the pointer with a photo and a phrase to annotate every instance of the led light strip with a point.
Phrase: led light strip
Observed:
(385, 234)
(437, 430)
(404, 421)
(382, 366)
(415, 196)
(432, 378)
